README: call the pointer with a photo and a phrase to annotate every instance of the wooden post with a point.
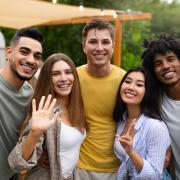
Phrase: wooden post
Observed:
(118, 39)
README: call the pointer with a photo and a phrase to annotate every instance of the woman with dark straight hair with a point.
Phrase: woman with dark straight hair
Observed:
(55, 123)
(142, 137)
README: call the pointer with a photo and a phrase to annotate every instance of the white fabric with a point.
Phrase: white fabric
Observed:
(71, 139)
(171, 115)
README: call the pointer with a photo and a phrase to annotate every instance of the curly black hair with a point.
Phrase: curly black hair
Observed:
(159, 44)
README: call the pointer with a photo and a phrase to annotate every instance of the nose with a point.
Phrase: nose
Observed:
(165, 64)
(131, 86)
(31, 59)
(99, 46)
(63, 77)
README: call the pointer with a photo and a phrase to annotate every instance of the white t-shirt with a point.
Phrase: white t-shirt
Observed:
(70, 142)
(171, 115)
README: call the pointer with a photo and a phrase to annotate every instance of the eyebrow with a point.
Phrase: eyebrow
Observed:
(28, 49)
(137, 80)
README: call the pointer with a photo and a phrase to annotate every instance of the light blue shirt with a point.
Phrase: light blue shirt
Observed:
(151, 141)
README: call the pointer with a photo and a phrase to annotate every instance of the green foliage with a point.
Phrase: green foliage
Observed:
(67, 38)
(133, 35)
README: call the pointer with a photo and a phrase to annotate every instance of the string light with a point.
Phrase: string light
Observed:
(115, 14)
(54, 1)
(102, 12)
(81, 7)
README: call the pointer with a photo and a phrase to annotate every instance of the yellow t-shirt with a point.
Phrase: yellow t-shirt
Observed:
(99, 96)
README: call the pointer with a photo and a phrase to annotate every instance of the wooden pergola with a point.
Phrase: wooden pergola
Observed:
(119, 19)
(23, 13)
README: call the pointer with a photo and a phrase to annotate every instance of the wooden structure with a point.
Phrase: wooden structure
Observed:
(22, 13)
(119, 19)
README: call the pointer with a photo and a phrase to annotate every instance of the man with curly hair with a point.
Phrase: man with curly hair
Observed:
(162, 57)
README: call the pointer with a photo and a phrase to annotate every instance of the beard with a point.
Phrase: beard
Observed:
(20, 76)
(23, 78)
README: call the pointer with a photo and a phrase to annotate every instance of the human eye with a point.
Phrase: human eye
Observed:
(140, 84)
(106, 42)
(55, 73)
(37, 56)
(157, 63)
(171, 59)
(69, 71)
(24, 51)
(127, 81)
(92, 41)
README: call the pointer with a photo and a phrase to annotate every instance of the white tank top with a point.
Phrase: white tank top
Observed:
(70, 142)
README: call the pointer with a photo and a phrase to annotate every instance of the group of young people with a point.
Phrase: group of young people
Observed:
(92, 122)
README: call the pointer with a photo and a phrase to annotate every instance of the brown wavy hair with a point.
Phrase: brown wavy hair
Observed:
(44, 87)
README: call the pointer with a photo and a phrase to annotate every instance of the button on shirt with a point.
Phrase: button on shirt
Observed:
(151, 141)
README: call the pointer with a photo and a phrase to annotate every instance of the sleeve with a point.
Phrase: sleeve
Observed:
(158, 141)
(15, 159)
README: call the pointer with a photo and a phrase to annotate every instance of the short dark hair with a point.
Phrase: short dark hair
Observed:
(150, 104)
(28, 32)
(159, 44)
(97, 24)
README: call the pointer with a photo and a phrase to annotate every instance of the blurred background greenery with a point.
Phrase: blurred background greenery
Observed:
(67, 38)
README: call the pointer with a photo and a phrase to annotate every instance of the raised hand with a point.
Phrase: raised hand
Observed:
(126, 140)
(43, 117)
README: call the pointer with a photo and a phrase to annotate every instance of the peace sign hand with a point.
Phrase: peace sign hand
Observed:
(42, 118)
(126, 140)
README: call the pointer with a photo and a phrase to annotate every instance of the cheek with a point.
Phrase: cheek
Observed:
(121, 93)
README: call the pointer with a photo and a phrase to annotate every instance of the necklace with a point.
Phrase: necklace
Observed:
(60, 109)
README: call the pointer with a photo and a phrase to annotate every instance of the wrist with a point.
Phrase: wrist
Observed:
(35, 134)
(131, 153)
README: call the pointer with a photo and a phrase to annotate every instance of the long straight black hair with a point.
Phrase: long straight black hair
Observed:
(150, 105)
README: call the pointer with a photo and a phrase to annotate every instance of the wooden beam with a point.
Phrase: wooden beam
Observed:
(118, 39)
(121, 17)
(132, 16)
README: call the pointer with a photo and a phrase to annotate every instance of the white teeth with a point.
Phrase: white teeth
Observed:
(99, 56)
(63, 86)
(169, 74)
(128, 94)
(27, 68)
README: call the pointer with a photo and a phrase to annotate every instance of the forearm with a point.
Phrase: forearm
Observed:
(29, 145)
(137, 160)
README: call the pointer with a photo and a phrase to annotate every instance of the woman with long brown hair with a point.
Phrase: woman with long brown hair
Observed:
(55, 123)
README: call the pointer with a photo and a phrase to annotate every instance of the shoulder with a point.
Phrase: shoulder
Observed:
(81, 68)
(118, 70)
(156, 127)
(27, 88)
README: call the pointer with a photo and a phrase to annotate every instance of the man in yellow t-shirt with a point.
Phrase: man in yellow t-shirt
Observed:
(99, 82)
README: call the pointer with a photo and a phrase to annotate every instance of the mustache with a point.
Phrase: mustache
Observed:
(29, 64)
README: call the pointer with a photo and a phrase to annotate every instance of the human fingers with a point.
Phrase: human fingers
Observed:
(53, 102)
(41, 103)
(117, 135)
(47, 102)
(130, 130)
(33, 106)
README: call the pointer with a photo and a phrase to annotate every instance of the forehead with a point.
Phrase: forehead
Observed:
(136, 76)
(60, 65)
(98, 34)
(167, 54)
(29, 43)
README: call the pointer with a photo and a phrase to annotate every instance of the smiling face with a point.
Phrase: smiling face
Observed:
(62, 78)
(167, 68)
(24, 57)
(133, 88)
(98, 47)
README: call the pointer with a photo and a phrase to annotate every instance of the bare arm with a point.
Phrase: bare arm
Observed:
(41, 121)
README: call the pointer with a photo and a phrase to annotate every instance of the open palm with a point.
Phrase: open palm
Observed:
(43, 118)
